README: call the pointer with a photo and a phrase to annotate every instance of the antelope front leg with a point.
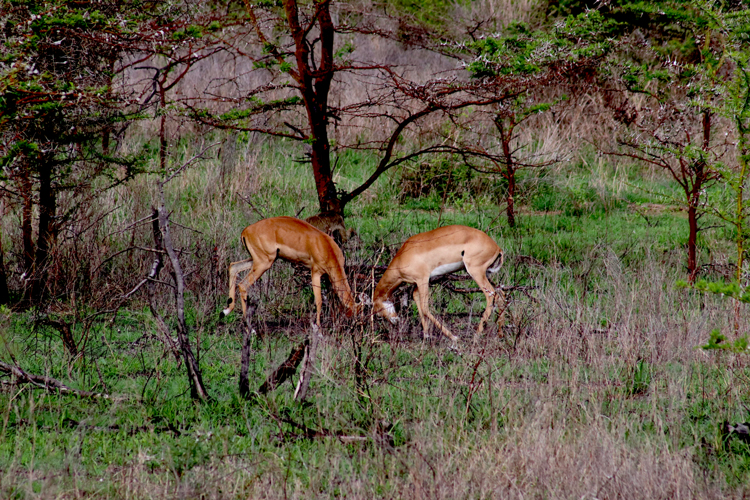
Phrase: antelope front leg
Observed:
(259, 267)
(318, 297)
(421, 296)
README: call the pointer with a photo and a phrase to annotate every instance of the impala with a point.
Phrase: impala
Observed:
(435, 253)
(296, 241)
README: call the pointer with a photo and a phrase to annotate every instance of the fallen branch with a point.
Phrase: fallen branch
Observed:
(308, 364)
(47, 383)
(285, 370)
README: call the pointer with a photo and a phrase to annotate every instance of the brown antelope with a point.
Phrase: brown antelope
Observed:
(435, 253)
(296, 241)
(332, 224)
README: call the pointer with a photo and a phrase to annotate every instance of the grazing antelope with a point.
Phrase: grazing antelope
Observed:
(296, 241)
(332, 224)
(435, 253)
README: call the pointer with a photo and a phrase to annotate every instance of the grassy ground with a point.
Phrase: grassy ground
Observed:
(596, 388)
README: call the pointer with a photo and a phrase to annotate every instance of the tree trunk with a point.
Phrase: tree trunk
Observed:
(321, 164)
(197, 388)
(506, 136)
(315, 85)
(693, 197)
(692, 261)
(26, 222)
(510, 210)
(4, 293)
(47, 232)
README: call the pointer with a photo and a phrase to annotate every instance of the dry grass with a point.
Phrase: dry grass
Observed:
(556, 411)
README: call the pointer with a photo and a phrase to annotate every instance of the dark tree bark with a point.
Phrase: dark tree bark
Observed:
(43, 382)
(26, 222)
(4, 292)
(66, 333)
(314, 86)
(285, 370)
(47, 232)
(150, 281)
(308, 364)
(509, 170)
(301, 58)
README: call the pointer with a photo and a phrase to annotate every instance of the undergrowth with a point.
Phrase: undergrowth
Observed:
(595, 387)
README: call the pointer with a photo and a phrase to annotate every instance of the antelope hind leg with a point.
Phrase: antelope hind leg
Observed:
(234, 269)
(259, 268)
(489, 292)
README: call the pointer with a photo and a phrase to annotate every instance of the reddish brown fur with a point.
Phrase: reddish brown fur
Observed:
(296, 241)
(424, 253)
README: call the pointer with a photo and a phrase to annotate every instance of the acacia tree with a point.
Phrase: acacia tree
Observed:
(60, 110)
(55, 100)
(671, 137)
(676, 78)
(534, 71)
(304, 64)
(730, 98)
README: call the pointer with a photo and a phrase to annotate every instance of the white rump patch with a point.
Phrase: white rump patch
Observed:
(447, 268)
(497, 264)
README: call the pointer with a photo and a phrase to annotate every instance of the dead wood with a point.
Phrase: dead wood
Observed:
(43, 382)
(65, 332)
(197, 389)
(285, 370)
(308, 364)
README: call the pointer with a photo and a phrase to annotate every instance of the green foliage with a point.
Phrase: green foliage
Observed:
(717, 341)
(256, 106)
(520, 51)
(638, 378)
(439, 178)
(430, 13)
(190, 32)
(731, 289)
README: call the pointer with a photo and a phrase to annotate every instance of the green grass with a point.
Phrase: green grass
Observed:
(596, 389)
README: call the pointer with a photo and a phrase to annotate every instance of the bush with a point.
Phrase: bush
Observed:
(442, 178)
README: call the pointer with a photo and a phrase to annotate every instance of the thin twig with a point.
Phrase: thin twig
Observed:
(197, 156)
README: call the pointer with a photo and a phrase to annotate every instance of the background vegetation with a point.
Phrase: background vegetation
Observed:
(597, 386)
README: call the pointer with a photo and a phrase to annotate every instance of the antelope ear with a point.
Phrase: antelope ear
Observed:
(365, 299)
